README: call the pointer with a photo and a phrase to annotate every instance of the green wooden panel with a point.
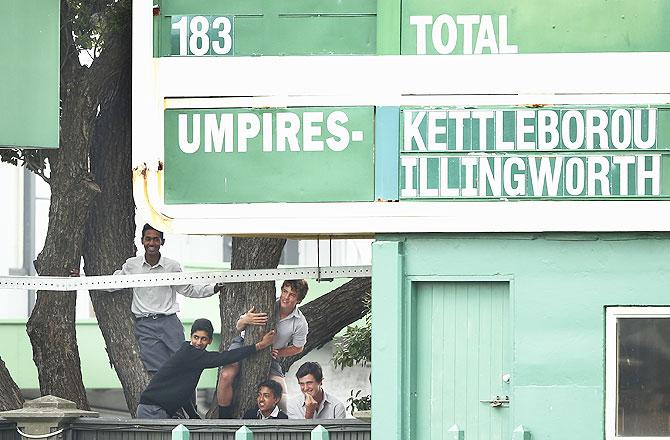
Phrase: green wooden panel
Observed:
(560, 153)
(663, 130)
(567, 128)
(463, 348)
(533, 176)
(536, 26)
(387, 336)
(388, 31)
(305, 27)
(318, 154)
(29, 77)
(386, 153)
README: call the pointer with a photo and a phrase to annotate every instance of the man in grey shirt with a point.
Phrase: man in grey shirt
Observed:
(159, 331)
(314, 403)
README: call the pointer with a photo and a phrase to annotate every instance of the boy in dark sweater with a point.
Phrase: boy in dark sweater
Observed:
(173, 385)
(269, 395)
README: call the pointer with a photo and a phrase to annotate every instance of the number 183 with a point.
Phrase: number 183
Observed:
(200, 35)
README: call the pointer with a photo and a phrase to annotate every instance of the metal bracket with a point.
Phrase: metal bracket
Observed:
(116, 282)
(319, 276)
(497, 402)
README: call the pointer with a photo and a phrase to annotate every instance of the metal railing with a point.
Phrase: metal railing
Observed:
(109, 429)
(8, 431)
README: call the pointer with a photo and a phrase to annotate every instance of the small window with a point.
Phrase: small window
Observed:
(638, 373)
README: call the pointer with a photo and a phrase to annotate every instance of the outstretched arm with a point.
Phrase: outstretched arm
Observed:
(211, 359)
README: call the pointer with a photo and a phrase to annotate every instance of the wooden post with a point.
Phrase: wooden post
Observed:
(181, 432)
(244, 433)
(320, 433)
(455, 433)
(521, 433)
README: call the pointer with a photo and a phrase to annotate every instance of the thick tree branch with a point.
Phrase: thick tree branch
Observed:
(332, 312)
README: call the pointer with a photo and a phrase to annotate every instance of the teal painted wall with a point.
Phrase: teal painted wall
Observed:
(559, 287)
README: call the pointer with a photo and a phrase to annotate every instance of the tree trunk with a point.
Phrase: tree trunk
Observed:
(326, 315)
(111, 223)
(235, 299)
(10, 396)
(330, 313)
(51, 326)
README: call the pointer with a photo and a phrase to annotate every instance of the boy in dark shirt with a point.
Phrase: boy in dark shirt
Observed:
(269, 395)
(173, 385)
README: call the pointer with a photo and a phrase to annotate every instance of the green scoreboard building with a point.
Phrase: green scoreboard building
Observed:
(510, 159)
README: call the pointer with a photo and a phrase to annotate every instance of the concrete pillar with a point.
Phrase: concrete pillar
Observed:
(45, 415)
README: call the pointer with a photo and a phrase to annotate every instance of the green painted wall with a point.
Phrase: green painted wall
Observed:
(29, 81)
(559, 287)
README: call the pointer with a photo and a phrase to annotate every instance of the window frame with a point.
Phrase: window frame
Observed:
(612, 314)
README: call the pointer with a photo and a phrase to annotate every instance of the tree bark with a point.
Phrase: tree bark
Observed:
(10, 396)
(111, 223)
(330, 313)
(237, 298)
(326, 315)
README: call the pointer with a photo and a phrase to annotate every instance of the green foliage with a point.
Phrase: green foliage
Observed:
(92, 20)
(355, 346)
(356, 402)
(34, 160)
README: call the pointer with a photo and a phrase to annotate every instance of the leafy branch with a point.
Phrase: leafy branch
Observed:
(355, 346)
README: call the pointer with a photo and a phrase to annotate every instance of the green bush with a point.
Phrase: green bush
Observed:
(355, 346)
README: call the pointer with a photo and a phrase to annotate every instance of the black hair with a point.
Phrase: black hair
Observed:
(204, 325)
(147, 226)
(274, 386)
(299, 286)
(312, 368)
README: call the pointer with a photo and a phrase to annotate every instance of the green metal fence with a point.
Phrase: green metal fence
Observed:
(107, 429)
(8, 431)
